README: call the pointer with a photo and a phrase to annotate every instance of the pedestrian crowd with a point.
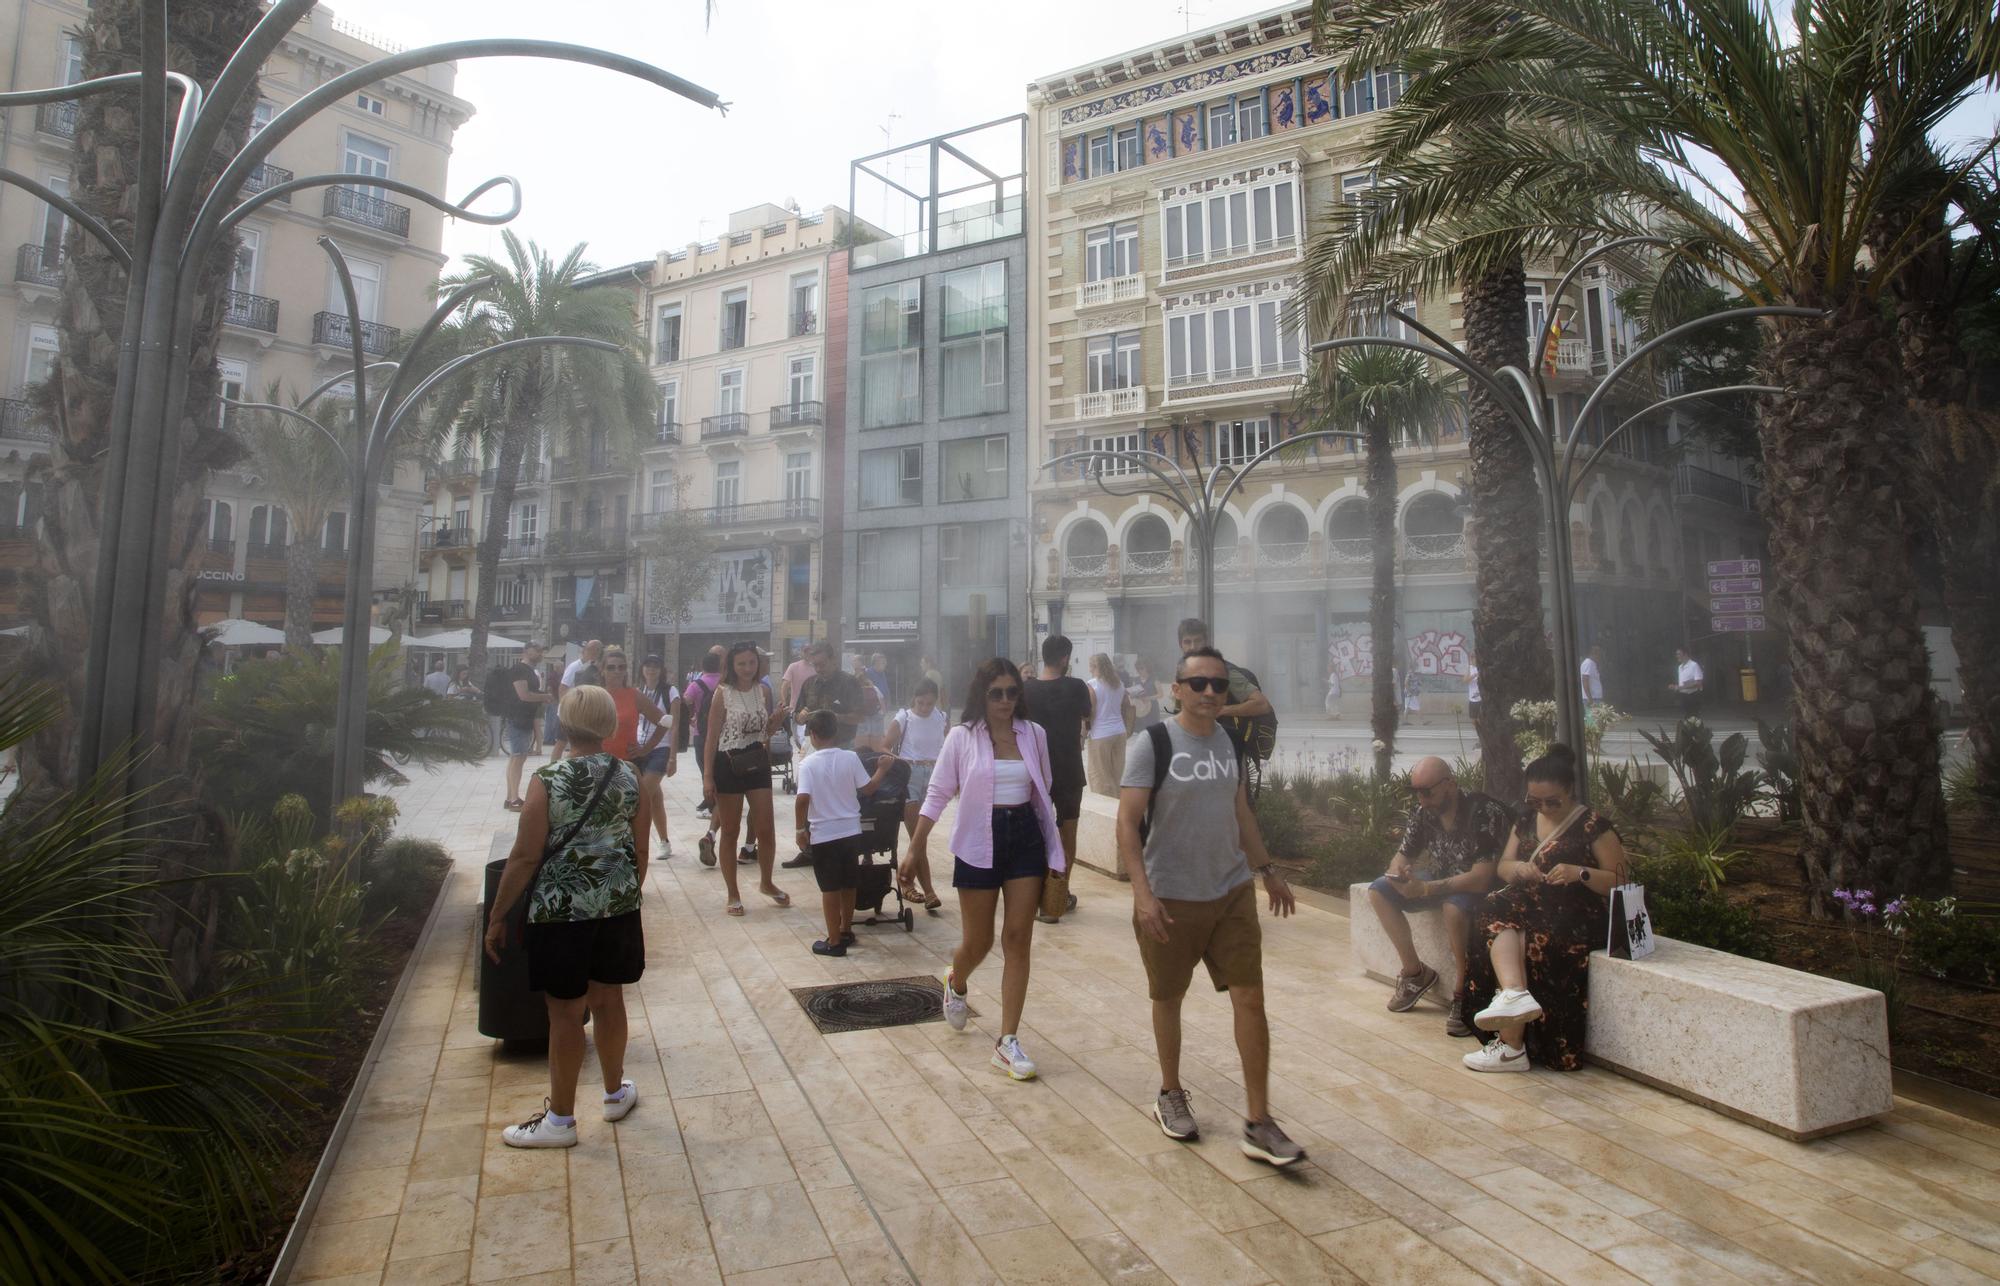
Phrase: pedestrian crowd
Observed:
(1523, 898)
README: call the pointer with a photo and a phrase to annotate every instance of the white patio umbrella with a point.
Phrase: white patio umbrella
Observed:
(236, 632)
(377, 636)
(459, 641)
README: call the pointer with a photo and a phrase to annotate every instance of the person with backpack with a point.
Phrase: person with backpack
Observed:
(515, 695)
(1190, 842)
(1246, 715)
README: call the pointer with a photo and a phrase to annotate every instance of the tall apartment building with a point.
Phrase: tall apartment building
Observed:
(935, 537)
(285, 322)
(1173, 190)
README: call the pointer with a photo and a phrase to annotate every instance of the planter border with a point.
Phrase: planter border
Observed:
(309, 1203)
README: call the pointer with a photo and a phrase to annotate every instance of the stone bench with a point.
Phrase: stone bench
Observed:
(1790, 1052)
(1370, 949)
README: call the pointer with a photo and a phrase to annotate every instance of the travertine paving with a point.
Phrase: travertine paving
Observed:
(765, 1152)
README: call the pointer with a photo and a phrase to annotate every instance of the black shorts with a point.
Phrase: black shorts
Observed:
(565, 957)
(836, 864)
(1067, 796)
(1019, 852)
(738, 772)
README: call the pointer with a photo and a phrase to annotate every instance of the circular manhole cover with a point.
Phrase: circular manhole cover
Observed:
(878, 1002)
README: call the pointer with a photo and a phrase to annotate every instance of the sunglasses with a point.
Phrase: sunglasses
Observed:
(1003, 694)
(1425, 792)
(1203, 683)
(1546, 805)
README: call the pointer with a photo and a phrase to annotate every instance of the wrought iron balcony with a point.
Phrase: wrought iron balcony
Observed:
(222, 545)
(758, 513)
(333, 328)
(516, 550)
(252, 312)
(436, 611)
(447, 538)
(595, 465)
(353, 205)
(797, 415)
(58, 119)
(1691, 480)
(1350, 551)
(1147, 566)
(1283, 554)
(267, 175)
(735, 336)
(668, 433)
(40, 264)
(730, 424)
(527, 474)
(1447, 546)
(588, 540)
(19, 419)
(804, 322)
(264, 549)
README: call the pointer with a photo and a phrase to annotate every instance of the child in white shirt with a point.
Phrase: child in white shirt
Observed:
(831, 779)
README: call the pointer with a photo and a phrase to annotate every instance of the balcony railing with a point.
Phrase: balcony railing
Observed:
(252, 312)
(1147, 565)
(1215, 255)
(1350, 551)
(1111, 290)
(462, 466)
(588, 540)
(1085, 569)
(447, 538)
(1185, 386)
(267, 175)
(667, 433)
(333, 328)
(528, 473)
(58, 119)
(1720, 488)
(1438, 547)
(795, 415)
(222, 545)
(40, 264)
(436, 611)
(1290, 553)
(352, 205)
(735, 336)
(756, 513)
(515, 550)
(1117, 401)
(264, 549)
(513, 611)
(730, 424)
(19, 419)
(804, 322)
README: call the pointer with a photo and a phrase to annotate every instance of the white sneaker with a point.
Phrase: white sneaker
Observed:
(619, 1109)
(540, 1132)
(955, 1008)
(1497, 1056)
(1010, 1058)
(1508, 1007)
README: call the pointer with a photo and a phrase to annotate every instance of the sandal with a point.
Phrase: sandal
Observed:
(735, 907)
(779, 896)
(933, 903)
(515, 805)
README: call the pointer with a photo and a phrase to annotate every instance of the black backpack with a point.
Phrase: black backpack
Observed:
(1163, 759)
(1256, 735)
(498, 695)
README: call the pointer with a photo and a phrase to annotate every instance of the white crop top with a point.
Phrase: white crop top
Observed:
(1010, 782)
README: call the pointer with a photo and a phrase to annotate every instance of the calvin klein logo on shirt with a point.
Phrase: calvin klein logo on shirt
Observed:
(1184, 767)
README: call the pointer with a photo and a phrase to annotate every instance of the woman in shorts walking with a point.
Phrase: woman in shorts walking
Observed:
(916, 735)
(996, 763)
(583, 938)
(736, 747)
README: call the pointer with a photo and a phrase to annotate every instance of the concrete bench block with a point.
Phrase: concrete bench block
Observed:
(1792, 1052)
(1369, 948)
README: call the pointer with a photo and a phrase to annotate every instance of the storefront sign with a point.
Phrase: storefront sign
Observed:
(207, 574)
(738, 597)
(888, 625)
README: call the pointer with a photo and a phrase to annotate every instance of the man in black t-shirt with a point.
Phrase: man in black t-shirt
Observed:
(1064, 706)
(830, 688)
(517, 729)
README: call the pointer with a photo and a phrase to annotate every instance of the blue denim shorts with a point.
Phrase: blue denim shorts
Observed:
(1019, 852)
(1465, 902)
(516, 738)
(920, 782)
(656, 761)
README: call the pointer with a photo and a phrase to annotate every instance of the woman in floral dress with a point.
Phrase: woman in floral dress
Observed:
(582, 843)
(1531, 986)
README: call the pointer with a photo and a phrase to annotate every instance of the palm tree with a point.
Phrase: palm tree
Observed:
(1555, 107)
(305, 472)
(516, 402)
(1392, 395)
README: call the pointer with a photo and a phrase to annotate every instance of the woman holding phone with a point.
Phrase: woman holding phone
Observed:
(736, 753)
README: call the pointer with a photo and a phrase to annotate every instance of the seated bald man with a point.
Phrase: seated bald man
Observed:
(1451, 845)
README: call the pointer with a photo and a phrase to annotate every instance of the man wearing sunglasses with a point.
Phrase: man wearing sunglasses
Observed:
(1187, 836)
(1451, 845)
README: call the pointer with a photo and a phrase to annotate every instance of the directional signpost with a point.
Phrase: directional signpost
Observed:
(1736, 596)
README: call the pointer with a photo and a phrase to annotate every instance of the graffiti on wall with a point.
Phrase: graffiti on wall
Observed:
(1439, 652)
(1351, 651)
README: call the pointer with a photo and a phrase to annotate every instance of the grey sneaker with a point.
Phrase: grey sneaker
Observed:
(1176, 1118)
(1264, 1141)
(1410, 988)
(1455, 1022)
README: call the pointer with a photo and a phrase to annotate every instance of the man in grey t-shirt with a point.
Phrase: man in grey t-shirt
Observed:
(1194, 895)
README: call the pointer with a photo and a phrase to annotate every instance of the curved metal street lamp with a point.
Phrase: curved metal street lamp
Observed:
(175, 232)
(1554, 448)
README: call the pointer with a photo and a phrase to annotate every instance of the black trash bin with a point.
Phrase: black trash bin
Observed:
(508, 1010)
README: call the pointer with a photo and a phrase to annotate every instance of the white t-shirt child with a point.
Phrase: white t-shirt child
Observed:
(833, 778)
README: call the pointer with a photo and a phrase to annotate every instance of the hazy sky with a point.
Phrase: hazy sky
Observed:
(633, 169)
(813, 84)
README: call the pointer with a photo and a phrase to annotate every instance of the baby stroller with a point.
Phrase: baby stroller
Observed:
(881, 821)
(781, 760)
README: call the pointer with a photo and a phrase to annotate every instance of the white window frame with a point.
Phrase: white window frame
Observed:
(525, 520)
(243, 269)
(802, 379)
(798, 475)
(1131, 441)
(1251, 338)
(734, 295)
(661, 316)
(54, 223)
(367, 275)
(1224, 225)
(261, 115)
(808, 282)
(660, 491)
(350, 157)
(230, 373)
(728, 477)
(69, 60)
(1112, 362)
(369, 103)
(1237, 442)
(1253, 117)
(1111, 251)
(730, 392)
(1100, 156)
(1221, 124)
(1127, 151)
(670, 403)
(992, 455)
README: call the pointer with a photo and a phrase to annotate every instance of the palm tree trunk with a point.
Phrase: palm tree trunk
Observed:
(506, 478)
(1382, 595)
(301, 589)
(1865, 720)
(1506, 542)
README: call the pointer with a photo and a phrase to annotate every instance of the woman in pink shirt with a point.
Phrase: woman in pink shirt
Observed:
(1003, 842)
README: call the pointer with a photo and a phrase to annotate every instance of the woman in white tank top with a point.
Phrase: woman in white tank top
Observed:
(915, 736)
(1105, 753)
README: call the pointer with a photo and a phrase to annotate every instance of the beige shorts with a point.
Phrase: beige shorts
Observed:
(1223, 934)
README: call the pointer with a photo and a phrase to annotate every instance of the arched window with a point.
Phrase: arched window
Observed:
(1656, 541)
(1628, 544)
(1225, 540)
(220, 523)
(333, 538)
(1148, 546)
(1433, 527)
(1599, 534)
(1086, 540)
(1281, 536)
(267, 525)
(1347, 533)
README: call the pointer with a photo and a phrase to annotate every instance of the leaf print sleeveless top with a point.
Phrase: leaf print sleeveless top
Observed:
(596, 876)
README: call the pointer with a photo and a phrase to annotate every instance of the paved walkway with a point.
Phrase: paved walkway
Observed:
(765, 1152)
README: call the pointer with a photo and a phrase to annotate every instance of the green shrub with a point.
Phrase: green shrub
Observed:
(399, 872)
(1780, 761)
(298, 926)
(1947, 938)
(1627, 795)
(1352, 857)
(1962, 789)
(1883, 976)
(1685, 904)
(1469, 773)
(1282, 824)
(1535, 727)
(1715, 789)
(1367, 802)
